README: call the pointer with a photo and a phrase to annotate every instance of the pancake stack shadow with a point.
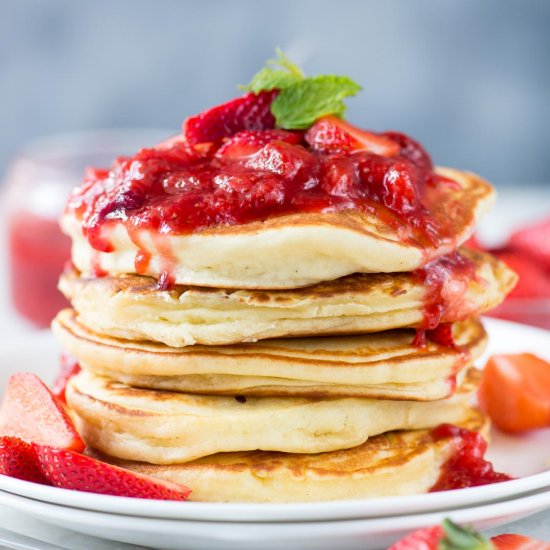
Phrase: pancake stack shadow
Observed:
(319, 393)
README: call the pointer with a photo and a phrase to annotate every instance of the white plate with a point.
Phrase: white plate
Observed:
(364, 534)
(525, 456)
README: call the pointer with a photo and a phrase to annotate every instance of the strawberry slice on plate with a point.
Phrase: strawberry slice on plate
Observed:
(534, 240)
(515, 392)
(518, 542)
(534, 281)
(69, 367)
(448, 536)
(18, 459)
(249, 112)
(70, 470)
(334, 135)
(32, 413)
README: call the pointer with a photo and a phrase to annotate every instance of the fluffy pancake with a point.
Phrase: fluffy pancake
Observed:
(133, 308)
(395, 463)
(288, 251)
(169, 428)
(382, 365)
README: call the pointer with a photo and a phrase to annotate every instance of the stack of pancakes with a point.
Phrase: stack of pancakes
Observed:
(284, 364)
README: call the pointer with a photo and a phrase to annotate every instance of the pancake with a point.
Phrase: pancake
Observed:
(133, 308)
(395, 463)
(382, 365)
(170, 428)
(288, 251)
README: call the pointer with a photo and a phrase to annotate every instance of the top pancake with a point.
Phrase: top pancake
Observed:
(294, 250)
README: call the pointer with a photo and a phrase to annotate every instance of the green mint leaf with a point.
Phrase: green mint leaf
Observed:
(462, 538)
(299, 105)
(269, 79)
(279, 74)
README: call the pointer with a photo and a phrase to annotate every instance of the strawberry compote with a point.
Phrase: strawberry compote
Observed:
(258, 172)
(467, 466)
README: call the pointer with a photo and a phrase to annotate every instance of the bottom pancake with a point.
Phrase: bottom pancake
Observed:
(394, 463)
(169, 428)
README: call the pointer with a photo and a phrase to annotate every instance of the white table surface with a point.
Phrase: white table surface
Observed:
(516, 206)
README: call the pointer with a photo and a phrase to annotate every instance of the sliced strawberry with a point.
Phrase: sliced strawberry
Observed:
(18, 459)
(515, 392)
(534, 241)
(442, 335)
(31, 412)
(69, 367)
(421, 539)
(249, 112)
(393, 182)
(518, 542)
(334, 135)
(246, 143)
(449, 535)
(70, 470)
(534, 282)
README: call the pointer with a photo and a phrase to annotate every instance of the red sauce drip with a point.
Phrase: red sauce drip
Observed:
(467, 466)
(97, 270)
(177, 189)
(445, 281)
(141, 261)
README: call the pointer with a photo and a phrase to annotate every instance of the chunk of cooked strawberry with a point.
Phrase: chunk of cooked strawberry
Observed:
(393, 182)
(70, 470)
(411, 150)
(31, 412)
(69, 367)
(281, 158)
(515, 392)
(534, 241)
(249, 112)
(18, 459)
(534, 282)
(246, 143)
(334, 135)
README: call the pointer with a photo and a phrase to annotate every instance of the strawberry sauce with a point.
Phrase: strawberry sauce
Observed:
(179, 186)
(467, 466)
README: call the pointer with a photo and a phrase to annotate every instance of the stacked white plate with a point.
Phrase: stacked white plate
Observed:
(361, 524)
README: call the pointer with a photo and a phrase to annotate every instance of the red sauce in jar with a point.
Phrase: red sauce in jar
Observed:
(37, 252)
(467, 466)
(252, 176)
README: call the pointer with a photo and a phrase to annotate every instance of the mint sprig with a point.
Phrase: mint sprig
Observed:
(279, 73)
(462, 538)
(301, 104)
(302, 100)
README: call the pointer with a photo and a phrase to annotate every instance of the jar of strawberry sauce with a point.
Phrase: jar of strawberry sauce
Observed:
(37, 183)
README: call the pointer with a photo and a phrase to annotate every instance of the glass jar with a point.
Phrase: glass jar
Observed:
(38, 182)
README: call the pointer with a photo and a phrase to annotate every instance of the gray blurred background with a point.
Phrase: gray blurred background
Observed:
(469, 78)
